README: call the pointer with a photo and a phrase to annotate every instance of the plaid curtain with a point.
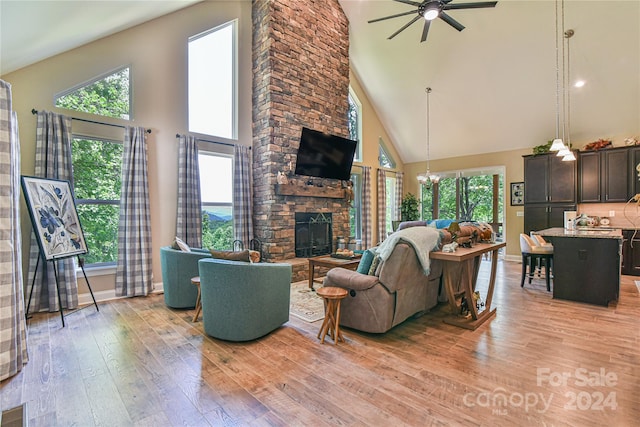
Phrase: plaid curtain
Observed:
(13, 340)
(399, 184)
(382, 205)
(366, 207)
(133, 274)
(189, 216)
(53, 160)
(242, 205)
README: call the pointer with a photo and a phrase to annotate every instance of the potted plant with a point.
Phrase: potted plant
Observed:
(409, 210)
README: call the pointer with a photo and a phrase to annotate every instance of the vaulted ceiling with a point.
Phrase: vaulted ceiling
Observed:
(494, 84)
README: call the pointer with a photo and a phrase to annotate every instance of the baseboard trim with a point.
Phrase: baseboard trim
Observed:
(109, 295)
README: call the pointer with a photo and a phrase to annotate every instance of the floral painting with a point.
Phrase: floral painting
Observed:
(54, 217)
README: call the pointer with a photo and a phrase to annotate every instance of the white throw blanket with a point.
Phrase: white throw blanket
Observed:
(423, 240)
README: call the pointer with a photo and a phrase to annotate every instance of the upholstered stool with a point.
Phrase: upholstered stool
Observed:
(331, 324)
(532, 253)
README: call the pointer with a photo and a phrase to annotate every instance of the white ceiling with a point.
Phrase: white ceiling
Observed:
(494, 86)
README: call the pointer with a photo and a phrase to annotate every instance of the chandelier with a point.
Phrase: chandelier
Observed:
(428, 178)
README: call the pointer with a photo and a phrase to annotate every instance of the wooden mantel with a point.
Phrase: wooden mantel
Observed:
(309, 191)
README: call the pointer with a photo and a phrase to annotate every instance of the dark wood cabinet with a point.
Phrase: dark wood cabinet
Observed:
(603, 176)
(549, 190)
(631, 252)
(634, 172)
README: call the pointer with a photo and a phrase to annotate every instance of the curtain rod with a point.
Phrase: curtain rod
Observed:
(228, 144)
(34, 111)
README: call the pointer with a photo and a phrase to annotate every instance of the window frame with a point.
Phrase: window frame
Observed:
(356, 206)
(382, 149)
(207, 151)
(353, 98)
(97, 267)
(234, 79)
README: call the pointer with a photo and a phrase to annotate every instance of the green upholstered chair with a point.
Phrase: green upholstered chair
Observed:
(243, 301)
(178, 268)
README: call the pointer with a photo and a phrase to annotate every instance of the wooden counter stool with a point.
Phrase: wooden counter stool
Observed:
(331, 324)
(196, 282)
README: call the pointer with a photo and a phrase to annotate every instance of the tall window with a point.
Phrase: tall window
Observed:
(97, 165)
(212, 82)
(355, 211)
(354, 121)
(216, 187)
(106, 95)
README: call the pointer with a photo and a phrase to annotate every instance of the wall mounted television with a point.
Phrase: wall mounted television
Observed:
(325, 156)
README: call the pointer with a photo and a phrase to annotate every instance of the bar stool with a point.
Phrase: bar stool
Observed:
(532, 253)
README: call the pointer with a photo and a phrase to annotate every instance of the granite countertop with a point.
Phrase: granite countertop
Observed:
(588, 232)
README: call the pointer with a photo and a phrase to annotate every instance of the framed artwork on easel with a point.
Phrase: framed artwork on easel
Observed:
(53, 214)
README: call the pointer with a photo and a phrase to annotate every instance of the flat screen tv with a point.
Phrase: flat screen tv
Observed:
(325, 156)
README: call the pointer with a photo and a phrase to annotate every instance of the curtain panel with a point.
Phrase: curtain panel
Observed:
(134, 276)
(53, 160)
(189, 215)
(13, 340)
(242, 195)
(382, 208)
(367, 226)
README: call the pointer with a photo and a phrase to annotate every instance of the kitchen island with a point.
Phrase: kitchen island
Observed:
(586, 263)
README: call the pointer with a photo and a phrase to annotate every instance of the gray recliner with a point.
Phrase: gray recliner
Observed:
(243, 301)
(398, 290)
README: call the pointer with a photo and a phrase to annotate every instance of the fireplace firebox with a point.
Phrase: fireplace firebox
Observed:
(313, 234)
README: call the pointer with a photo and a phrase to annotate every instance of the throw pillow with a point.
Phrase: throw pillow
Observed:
(180, 244)
(374, 265)
(365, 262)
(231, 255)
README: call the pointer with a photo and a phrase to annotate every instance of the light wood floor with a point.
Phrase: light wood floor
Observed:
(136, 362)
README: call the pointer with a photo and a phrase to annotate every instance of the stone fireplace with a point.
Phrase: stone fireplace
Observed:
(301, 79)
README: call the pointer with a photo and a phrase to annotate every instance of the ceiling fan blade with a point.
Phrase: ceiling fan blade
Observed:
(425, 30)
(449, 20)
(404, 27)
(392, 16)
(412, 3)
(478, 5)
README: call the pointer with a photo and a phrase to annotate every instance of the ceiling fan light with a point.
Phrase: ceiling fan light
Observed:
(431, 11)
(557, 145)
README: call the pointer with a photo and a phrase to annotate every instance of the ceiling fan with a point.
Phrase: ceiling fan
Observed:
(432, 9)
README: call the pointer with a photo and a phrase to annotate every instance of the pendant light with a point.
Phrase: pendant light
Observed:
(557, 144)
(428, 178)
(568, 157)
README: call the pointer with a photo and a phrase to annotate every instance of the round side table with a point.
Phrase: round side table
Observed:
(196, 282)
(331, 324)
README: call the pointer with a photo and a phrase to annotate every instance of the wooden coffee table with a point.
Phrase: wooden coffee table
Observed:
(330, 262)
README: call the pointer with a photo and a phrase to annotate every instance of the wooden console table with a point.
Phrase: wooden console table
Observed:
(460, 273)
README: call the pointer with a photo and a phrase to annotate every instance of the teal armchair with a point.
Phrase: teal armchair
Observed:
(178, 268)
(243, 301)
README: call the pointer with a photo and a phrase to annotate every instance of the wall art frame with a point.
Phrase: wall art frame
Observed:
(54, 217)
(517, 193)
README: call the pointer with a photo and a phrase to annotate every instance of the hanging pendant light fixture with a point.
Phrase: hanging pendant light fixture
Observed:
(557, 144)
(428, 178)
(568, 157)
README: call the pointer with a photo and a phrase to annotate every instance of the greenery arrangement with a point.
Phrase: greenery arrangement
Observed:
(541, 149)
(409, 208)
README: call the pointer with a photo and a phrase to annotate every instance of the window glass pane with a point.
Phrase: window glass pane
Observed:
(106, 96)
(476, 198)
(216, 186)
(355, 211)
(427, 203)
(212, 82)
(385, 159)
(97, 178)
(354, 121)
(390, 184)
(447, 199)
(100, 228)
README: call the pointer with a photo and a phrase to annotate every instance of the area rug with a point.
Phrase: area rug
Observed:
(306, 304)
